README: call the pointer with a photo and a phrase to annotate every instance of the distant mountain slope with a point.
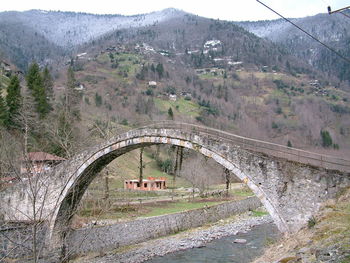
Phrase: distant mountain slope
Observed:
(46, 36)
(207, 42)
(68, 29)
(333, 30)
(22, 45)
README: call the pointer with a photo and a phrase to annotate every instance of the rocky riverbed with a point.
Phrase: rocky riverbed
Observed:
(181, 241)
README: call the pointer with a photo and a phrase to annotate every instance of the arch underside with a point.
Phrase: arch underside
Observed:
(88, 170)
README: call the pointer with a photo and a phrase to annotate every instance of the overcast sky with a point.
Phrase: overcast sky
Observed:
(234, 10)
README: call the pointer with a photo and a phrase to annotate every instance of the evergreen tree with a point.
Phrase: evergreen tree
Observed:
(14, 102)
(36, 86)
(32, 75)
(48, 83)
(160, 70)
(3, 112)
(326, 139)
(289, 144)
(171, 113)
(72, 95)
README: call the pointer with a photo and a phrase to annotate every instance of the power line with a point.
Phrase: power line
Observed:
(329, 9)
(336, 11)
(307, 33)
(345, 14)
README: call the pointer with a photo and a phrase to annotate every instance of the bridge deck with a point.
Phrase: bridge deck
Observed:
(276, 150)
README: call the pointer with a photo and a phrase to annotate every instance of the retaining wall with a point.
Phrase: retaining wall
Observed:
(94, 239)
(16, 239)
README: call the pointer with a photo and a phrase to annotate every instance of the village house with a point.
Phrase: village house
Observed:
(149, 184)
(172, 97)
(39, 162)
(7, 180)
(5, 68)
(152, 84)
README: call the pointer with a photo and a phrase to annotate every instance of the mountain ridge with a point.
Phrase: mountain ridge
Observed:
(68, 29)
(332, 30)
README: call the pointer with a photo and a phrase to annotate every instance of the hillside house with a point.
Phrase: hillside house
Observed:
(152, 84)
(172, 97)
(149, 184)
(5, 68)
(39, 162)
(7, 180)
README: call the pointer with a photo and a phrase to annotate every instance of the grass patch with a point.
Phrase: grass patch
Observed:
(243, 192)
(4, 81)
(178, 207)
(181, 106)
(257, 213)
(93, 209)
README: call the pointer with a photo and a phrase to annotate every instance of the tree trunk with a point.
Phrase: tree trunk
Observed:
(227, 180)
(141, 167)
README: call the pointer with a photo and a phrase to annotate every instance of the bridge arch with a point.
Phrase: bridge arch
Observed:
(86, 168)
(291, 183)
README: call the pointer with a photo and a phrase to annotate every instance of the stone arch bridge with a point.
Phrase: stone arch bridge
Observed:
(290, 183)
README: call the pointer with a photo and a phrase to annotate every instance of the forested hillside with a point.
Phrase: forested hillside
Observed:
(333, 30)
(169, 65)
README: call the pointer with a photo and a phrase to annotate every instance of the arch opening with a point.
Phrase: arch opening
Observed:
(88, 170)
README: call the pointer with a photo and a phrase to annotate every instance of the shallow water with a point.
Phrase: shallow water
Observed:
(224, 250)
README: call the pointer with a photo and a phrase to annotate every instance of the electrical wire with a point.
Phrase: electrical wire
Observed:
(341, 12)
(344, 14)
(307, 33)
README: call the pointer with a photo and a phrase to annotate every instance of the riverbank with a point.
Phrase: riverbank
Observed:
(326, 238)
(185, 240)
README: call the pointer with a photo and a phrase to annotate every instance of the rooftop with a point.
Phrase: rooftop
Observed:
(42, 156)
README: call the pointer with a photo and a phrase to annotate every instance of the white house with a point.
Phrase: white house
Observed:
(172, 97)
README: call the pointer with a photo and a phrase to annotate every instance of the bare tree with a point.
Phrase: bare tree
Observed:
(22, 169)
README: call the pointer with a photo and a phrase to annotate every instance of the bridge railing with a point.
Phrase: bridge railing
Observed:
(281, 151)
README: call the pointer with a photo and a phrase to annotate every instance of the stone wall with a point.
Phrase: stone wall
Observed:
(126, 233)
(16, 239)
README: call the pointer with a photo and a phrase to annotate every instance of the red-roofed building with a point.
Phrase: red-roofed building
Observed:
(7, 180)
(149, 184)
(39, 162)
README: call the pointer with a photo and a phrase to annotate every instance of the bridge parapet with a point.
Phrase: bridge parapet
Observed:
(268, 148)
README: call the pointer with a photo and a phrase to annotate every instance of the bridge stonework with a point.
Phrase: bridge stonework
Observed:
(291, 191)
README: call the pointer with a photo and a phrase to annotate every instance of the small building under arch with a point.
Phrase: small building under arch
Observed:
(149, 184)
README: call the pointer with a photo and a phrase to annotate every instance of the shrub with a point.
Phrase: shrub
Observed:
(311, 222)
(149, 92)
(199, 118)
(124, 122)
(165, 165)
(171, 113)
(279, 110)
(98, 100)
(326, 139)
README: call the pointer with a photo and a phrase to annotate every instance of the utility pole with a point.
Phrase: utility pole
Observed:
(336, 11)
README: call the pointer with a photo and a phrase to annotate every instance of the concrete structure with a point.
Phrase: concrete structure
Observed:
(149, 184)
(290, 183)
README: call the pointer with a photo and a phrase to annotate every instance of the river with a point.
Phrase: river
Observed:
(224, 250)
